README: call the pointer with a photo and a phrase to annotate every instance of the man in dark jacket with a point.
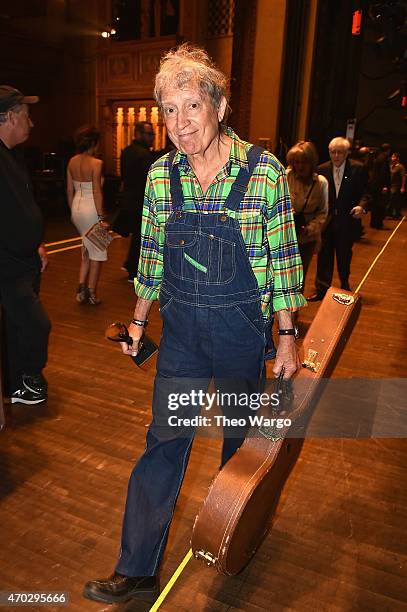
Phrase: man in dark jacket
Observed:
(380, 186)
(22, 258)
(135, 162)
(347, 180)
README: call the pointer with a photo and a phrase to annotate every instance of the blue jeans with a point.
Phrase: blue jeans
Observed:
(219, 341)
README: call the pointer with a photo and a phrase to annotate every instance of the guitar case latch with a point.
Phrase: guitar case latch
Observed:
(206, 556)
(310, 363)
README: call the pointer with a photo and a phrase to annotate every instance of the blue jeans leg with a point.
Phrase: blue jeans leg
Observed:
(239, 342)
(156, 480)
(152, 494)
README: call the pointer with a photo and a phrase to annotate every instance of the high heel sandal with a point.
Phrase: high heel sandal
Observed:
(81, 294)
(91, 297)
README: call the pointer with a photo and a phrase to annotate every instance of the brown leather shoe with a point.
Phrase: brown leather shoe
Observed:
(119, 589)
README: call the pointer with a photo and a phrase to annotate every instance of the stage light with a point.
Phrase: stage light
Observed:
(110, 31)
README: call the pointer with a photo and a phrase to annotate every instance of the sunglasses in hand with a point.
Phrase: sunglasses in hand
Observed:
(118, 332)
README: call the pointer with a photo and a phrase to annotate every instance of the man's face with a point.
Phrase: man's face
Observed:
(21, 124)
(191, 120)
(147, 135)
(394, 158)
(338, 155)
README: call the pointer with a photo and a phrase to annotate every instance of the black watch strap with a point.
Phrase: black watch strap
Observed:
(291, 331)
(140, 322)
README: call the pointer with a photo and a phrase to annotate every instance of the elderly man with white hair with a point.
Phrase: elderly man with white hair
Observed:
(220, 253)
(347, 180)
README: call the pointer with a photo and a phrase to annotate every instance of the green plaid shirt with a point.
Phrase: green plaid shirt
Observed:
(265, 218)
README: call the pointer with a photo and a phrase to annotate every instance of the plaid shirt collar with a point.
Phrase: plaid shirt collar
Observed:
(237, 156)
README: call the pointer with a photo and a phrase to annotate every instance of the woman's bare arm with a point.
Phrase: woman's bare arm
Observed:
(69, 187)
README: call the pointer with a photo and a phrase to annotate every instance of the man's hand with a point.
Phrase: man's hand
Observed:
(135, 332)
(287, 357)
(44, 257)
(357, 212)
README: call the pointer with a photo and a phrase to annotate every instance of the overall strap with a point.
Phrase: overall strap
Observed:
(177, 197)
(239, 187)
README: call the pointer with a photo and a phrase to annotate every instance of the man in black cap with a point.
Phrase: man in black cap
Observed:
(22, 257)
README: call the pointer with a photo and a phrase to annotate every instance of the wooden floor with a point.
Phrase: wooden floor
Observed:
(339, 541)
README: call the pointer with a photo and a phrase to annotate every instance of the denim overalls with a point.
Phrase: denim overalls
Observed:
(212, 328)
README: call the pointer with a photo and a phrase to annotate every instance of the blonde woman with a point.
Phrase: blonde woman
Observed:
(309, 197)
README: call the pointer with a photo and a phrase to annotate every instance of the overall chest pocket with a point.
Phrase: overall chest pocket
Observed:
(200, 257)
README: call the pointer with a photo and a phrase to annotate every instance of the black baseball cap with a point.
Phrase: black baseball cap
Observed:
(10, 97)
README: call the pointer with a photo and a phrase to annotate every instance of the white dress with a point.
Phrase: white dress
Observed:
(84, 215)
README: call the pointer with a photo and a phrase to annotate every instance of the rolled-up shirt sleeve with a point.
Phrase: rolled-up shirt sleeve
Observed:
(285, 259)
(150, 268)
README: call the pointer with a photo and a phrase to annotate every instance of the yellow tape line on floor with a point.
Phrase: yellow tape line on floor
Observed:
(75, 246)
(48, 244)
(377, 256)
(171, 581)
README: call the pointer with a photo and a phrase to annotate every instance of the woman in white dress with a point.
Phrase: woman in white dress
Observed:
(85, 199)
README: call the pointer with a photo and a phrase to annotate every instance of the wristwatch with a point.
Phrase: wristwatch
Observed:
(140, 322)
(291, 331)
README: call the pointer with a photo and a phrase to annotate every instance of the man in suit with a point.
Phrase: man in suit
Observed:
(347, 180)
(135, 162)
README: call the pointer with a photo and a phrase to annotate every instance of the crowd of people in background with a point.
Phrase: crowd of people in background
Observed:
(330, 200)
(386, 181)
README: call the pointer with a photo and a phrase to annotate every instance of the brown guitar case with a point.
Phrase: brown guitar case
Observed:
(241, 501)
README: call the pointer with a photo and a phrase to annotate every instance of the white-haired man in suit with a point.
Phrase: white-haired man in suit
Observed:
(347, 180)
